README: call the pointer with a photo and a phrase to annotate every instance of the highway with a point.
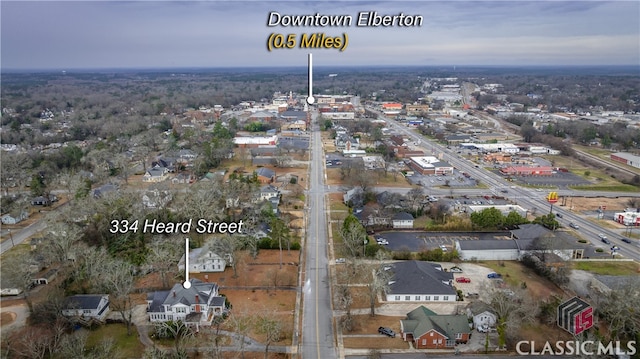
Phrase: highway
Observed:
(525, 197)
(317, 327)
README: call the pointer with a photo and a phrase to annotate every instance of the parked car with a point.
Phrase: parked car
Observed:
(463, 280)
(387, 331)
(494, 275)
(340, 260)
(443, 247)
(573, 225)
(626, 240)
(455, 269)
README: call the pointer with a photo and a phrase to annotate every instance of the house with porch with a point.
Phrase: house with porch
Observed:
(427, 330)
(195, 306)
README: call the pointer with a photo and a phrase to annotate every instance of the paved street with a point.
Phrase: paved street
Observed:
(317, 327)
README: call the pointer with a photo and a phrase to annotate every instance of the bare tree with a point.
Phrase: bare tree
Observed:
(176, 330)
(617, 307)
(164, 253)
(241, 324)
(344, 300)
(353, 236)
(268, 324)
(117, 279)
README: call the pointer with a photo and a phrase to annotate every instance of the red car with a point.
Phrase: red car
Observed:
(463, 280)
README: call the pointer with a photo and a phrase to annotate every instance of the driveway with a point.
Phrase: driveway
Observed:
(22, 313)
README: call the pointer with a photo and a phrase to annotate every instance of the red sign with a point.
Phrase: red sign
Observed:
(575, 316)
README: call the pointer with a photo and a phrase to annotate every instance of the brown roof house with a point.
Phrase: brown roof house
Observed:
(428, 330)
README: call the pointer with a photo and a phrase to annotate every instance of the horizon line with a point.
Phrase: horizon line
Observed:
(454, 67)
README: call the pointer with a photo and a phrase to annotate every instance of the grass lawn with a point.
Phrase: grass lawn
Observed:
(608, 268)
(128, 345)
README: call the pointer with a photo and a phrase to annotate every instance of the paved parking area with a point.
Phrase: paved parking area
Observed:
(418, 241)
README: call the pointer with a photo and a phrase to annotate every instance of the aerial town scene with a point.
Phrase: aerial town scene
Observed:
(162, 197)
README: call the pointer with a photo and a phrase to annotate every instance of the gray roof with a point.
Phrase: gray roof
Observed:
(265, 172)
(181, 295)
(422, 320)
(530, 231)
(416, 277)
(83, 301)
(488, 244)
(403, 216)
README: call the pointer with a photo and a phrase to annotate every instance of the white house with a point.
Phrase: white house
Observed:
(267, 193)
(86, 308)
(203, 260)
(14, 217)
(156, 174)
(483, 316)
(196, 305)
(402, 220)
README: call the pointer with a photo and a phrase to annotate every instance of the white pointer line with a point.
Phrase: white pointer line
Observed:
(310, 99)
(187, 283)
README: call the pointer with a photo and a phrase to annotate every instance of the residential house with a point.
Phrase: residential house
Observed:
(428, 330)
(168, 163)
(267, 193)
(44, 200)
(104, 190)
(402, 220)
(186, 155)
(196, 305)
(265, 175)
(86, 308)
(345, 142)
(183, 178)
(155, 174)
(352, 195)
(417, 281)
(484, 318)
(204, 260)
(14, 217)
(373, 215)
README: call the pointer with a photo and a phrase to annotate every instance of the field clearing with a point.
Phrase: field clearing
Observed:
(128, 345)
(608, 267)
(514, 274)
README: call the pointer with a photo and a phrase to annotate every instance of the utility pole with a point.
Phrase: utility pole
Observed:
(11, 237)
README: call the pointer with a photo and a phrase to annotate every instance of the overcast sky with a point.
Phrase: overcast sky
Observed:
(162, 34)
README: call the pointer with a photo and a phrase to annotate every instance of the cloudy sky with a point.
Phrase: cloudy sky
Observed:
(163, 34)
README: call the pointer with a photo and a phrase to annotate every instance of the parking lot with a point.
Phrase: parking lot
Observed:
(454, 180)
(419, 241)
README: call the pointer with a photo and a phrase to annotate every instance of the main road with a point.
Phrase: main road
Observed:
(317, 327)
(525, 197)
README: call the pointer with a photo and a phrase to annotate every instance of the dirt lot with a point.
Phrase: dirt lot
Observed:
(590, 204)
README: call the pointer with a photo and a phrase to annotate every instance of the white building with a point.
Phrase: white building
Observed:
(196, 305)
